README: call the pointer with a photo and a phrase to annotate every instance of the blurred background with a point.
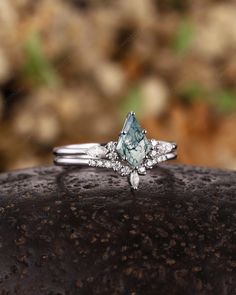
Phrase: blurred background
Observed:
(70, 70)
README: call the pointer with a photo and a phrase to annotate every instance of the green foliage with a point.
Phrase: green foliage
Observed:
(184, 37)
(37, 67)
(194, 91)
(178, 4)
(226, 100)
(132, 102)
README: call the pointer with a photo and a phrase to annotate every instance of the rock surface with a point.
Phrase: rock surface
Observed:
(76, 231)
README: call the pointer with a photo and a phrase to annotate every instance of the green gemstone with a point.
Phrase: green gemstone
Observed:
(133, 145)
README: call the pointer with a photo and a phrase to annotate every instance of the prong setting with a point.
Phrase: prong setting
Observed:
(119, 153)
(131, 156)
(144, 131)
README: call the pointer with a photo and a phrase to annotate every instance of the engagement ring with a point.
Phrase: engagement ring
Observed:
(132, 155)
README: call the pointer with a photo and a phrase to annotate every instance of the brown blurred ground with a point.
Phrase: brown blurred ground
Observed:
(71, 70)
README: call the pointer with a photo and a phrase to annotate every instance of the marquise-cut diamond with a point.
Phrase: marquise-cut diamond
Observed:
(163, 148)
(97, 151)
(134, 179)
(133, 146)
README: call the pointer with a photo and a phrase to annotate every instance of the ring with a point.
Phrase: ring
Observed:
(132, 155)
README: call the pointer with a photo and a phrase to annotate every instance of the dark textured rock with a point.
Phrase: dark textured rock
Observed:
(77, 231)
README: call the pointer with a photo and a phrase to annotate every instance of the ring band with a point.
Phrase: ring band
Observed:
(130, 156)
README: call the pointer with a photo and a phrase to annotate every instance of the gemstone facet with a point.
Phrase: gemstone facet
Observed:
(133, 146)
(134, 179)
(97, 151)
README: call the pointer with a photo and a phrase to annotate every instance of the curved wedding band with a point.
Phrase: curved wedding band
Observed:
(131, 156)
(81, 154)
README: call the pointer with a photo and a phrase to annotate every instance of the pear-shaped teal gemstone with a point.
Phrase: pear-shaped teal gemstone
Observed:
(133, 145)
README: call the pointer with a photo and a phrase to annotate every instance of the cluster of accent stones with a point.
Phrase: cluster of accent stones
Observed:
(123, 170)
(162, 147)
(116, 164)
(112, 160)
(100, 163)
(158, 153)
(132, 148)
(155, 156)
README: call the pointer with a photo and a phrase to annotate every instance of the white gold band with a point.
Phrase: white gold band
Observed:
(82, 154)
(75, 149)
(131, 155)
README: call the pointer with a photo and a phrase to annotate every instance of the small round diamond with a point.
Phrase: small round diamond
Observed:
(149, 163)
(153, 153)
(92, 163)
(107, 164)
(125, 170)
(154, 162)
(112, 156)
(161, 159)
(111, 146)
(142, 170)
(99, 163)
(154, 142)
(117, 166)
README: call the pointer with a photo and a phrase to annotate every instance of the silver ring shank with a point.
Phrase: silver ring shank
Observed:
(79, 155)
(79, 161)
(63, 161)
(75, 149)
(82, 149)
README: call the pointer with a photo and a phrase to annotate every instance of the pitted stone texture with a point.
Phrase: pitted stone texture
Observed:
(82, 231)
